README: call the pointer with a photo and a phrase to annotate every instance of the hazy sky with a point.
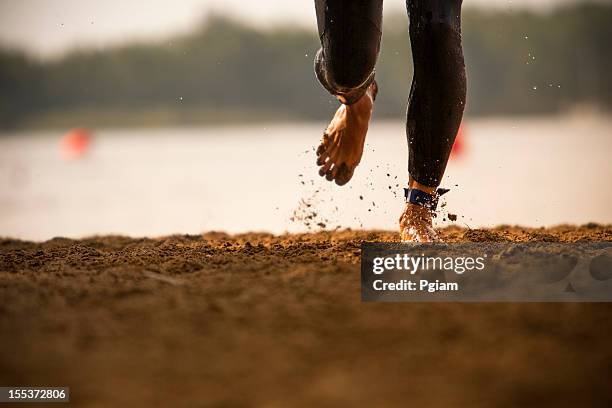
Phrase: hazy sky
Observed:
(49, 27)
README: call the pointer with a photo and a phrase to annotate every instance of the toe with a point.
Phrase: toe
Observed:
(321, 149)
(334, 172)
(344, 174)
(331, 173)
(324, 144)
(321, 160)
(334, 152)
(323, 170)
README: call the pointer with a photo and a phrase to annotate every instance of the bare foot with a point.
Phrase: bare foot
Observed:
(342, 146)
(416, 225)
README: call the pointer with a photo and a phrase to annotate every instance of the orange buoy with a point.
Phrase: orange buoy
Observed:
(458, 149)
(75, 143)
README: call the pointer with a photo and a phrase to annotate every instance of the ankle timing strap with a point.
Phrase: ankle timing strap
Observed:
(419, 197)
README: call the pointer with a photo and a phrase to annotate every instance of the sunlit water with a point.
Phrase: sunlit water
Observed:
(141, 182)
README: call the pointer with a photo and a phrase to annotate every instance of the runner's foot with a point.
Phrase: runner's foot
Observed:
(342, 146)
(416, 224)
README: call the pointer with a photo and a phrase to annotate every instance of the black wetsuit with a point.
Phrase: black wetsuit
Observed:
(350, 32)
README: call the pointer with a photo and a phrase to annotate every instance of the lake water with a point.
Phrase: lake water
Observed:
(151, 182)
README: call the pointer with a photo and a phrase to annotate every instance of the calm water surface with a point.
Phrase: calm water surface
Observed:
(143, 182)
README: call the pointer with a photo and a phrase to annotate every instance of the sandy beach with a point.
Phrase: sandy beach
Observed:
(258, 319)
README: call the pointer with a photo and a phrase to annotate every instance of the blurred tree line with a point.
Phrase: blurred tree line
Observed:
(518, 63)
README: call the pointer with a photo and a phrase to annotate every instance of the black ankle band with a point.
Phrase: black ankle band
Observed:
(423, 199)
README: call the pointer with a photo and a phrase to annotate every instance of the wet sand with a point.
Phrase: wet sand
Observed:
(256, 319)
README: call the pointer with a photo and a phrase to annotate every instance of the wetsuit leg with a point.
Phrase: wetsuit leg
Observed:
(350, 32)
(438, 93)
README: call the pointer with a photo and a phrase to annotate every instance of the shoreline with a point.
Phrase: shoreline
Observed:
(450, 234)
